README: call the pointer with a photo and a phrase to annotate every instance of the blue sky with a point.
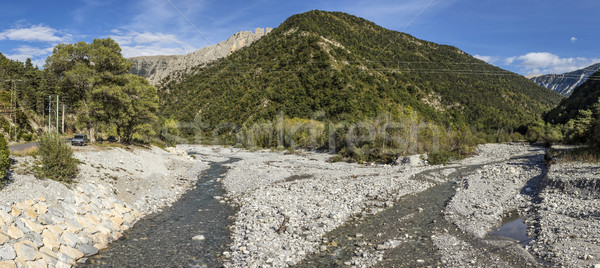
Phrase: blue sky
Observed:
(524, 36)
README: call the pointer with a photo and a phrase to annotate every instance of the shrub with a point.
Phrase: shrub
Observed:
(4, 158)
(55, 160)
(441, 158)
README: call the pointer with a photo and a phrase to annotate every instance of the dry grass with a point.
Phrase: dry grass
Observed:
(579, 154)
(27, 152)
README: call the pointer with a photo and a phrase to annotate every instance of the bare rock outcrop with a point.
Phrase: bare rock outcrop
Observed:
(156, 68)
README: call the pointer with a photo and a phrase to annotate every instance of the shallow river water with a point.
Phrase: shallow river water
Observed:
(165, 239)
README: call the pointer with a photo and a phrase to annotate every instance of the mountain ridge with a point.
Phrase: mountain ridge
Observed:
(350, 69)
(565, 83)
(156, 68)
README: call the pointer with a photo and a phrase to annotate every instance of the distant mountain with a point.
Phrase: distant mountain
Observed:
(583, 97)
(156, 68)
(348, 68)
(567, 82)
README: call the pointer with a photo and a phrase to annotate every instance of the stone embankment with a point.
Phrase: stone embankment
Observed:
(45, 223)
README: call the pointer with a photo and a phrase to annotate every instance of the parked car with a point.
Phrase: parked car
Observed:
(111, 139)
(79, 140)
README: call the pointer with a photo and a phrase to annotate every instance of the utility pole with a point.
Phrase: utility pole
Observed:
(63, 119)
(12, 108)
(57, 108)
(49, 111)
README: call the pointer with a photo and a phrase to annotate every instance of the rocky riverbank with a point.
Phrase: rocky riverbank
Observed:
(45, 223)
(566, 218)
(289, 202)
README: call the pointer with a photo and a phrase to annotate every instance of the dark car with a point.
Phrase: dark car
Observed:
(111, 139)
(79, 140)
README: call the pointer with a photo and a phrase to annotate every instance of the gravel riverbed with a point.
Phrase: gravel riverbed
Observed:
(289, 203)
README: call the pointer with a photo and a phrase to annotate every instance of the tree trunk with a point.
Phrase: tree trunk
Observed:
(92, 133)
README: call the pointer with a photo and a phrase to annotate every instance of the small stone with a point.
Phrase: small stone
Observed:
(7, 252)
(41, 263)
(35, 238)
(33, 226)
(4, 238)
(14, 232)
(27, 251)
(117, 235)
(87, 249)
(70, 239)
(200, 237)
(15, 212)
(48, 255)
(32, 214)
(7, 218)
(50, 240)
(71, 252)
(117, 221)
(8, 264)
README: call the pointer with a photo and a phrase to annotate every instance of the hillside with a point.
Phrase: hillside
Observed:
(583, 97)
(567, 82)
(24, 91)
(156, 68)
(348, 68)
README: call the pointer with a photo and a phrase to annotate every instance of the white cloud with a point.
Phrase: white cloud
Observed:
(147, 37)
(34, 51)
(35, 33)
(488, 59)
(573, 39)
(152, 50)
(510, 60)
(37, 55)
(147, 43)
(545, 62)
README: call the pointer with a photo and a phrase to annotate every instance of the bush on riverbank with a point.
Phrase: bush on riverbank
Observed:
(55, 160)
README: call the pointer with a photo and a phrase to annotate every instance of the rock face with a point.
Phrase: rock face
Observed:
(565, 83)
(156, 68)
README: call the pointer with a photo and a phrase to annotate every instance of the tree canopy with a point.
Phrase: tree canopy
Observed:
(94, 80)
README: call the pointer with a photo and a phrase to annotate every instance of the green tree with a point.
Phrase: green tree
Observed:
(130, 105)
(4, 158)
(95, 78)
(55, 160)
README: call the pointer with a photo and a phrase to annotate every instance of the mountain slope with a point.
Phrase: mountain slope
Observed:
(156, 68)
(348, 68)
(583, 97)
(567, 82)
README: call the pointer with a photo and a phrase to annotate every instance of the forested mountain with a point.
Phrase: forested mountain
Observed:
(583, 98)
(567, 82)
(348, 68)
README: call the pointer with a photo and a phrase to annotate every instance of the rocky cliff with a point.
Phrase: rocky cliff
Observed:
(565, 83)
(156, 68)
